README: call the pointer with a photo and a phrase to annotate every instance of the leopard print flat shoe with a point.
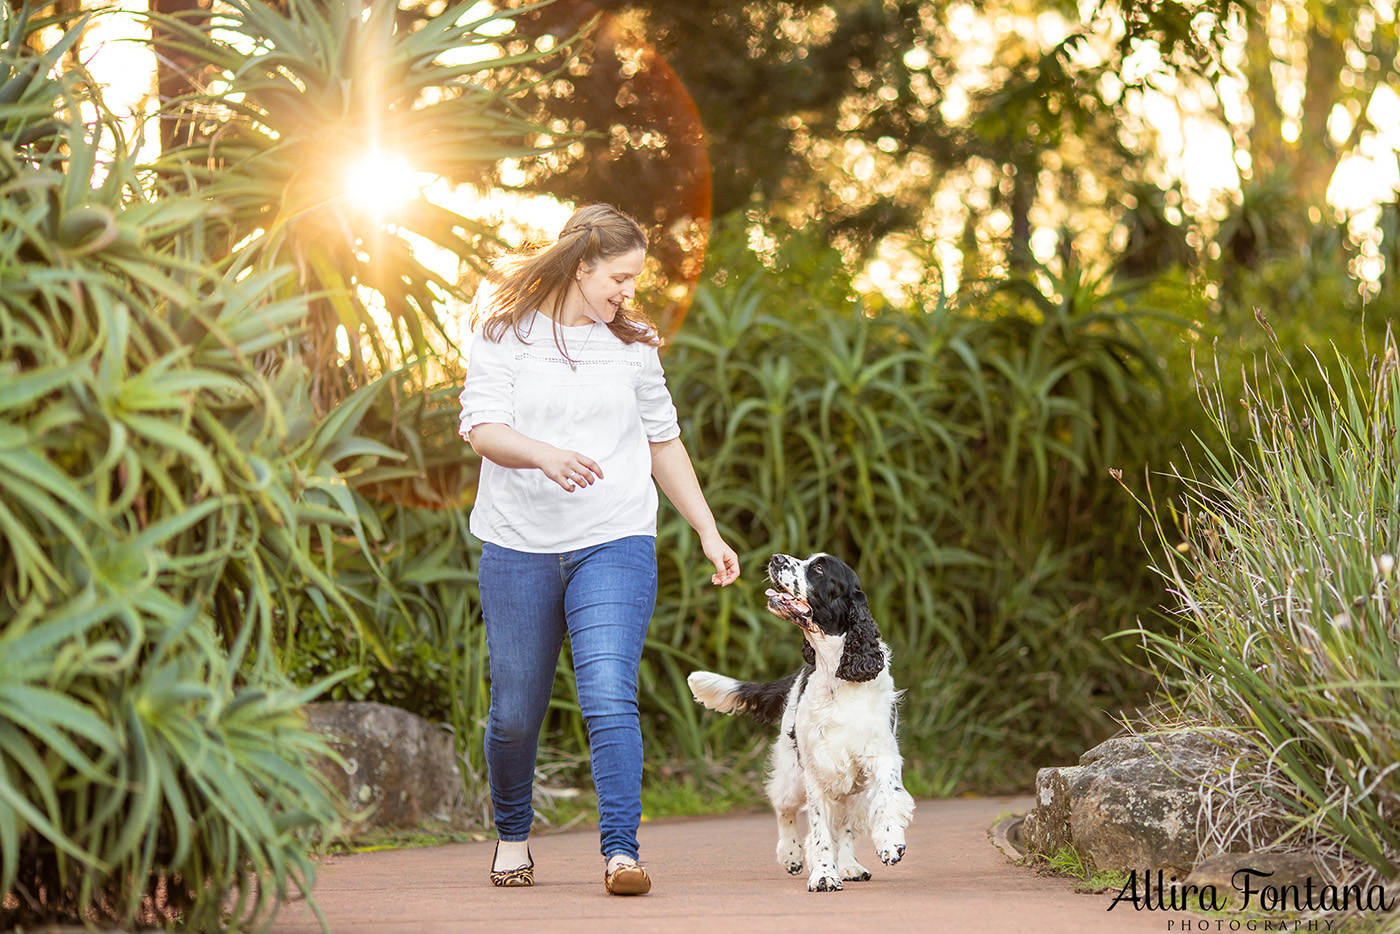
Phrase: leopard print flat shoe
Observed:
(522, 875)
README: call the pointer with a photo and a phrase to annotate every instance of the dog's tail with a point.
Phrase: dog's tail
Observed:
(763, 702)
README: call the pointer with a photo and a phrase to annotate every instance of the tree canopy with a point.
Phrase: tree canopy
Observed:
(912, 118)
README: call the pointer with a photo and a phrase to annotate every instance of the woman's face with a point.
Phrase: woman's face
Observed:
(610, 284)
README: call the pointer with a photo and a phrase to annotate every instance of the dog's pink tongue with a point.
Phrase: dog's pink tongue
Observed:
(786, 599)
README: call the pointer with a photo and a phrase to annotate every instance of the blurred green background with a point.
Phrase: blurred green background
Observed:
(927, 273)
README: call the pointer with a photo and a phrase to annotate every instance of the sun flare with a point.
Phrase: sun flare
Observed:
(382, 182)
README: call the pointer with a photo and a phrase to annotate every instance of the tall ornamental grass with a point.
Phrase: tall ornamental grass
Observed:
(1282, 562)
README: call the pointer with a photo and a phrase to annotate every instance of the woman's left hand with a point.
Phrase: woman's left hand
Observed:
(725, 560)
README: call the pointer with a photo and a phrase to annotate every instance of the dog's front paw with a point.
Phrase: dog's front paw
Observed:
(855, 872)
(891, 853)
(793, 866)
(823, 883)
(790, 857)
(889, 844)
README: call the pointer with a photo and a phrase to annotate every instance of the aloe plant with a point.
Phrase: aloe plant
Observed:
(175, 505)
(149, 506)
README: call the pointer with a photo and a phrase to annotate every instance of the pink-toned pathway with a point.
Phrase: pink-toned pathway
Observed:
(718, 874)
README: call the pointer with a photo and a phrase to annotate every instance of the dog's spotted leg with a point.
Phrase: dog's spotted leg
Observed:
(789, 846)
(845, 825)
(787, 795)
(891, 810)
(847, 866)
(821, 847)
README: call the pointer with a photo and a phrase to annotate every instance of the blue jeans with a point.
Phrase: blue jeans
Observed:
(603, 597)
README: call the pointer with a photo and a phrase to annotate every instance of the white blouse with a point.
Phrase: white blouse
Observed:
(609, 409)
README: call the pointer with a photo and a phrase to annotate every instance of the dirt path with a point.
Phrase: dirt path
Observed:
(718, 874)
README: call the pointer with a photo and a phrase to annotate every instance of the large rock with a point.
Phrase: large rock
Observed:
(1226, 873)
(398, 767)
(1132, 802)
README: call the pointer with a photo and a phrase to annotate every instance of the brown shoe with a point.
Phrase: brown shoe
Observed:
(627, 879)
(523, 875)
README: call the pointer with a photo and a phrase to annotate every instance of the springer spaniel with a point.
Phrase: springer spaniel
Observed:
(837, 753)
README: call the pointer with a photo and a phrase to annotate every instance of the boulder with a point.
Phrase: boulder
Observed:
(1272, 869)
(1132, 802)
(399, 770)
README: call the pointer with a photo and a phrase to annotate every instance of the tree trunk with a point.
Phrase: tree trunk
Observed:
(1317, 155)
(1023, 191)
(173, 75)
(1266, 133)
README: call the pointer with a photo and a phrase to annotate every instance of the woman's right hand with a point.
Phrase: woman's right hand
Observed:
(570, 469)
(503, 445)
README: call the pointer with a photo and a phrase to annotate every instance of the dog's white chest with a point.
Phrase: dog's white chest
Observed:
(840, 735)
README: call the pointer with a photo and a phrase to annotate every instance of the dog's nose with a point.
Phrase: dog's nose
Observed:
(779, 563)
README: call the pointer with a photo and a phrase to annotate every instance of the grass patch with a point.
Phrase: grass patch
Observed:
(560, 807)
(679, 796)
(436, 834)
(686, 798)
(1071, 863)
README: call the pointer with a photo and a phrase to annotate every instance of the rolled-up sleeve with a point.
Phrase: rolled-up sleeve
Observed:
(490, 385)
(654, 399)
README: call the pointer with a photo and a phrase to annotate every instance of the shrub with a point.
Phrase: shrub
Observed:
(154, 500)
(1281, 557)
(949, 454)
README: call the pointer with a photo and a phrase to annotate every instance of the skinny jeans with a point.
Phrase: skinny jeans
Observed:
(602, 597)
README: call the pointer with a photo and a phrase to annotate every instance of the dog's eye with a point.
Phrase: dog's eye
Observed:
(816, 569)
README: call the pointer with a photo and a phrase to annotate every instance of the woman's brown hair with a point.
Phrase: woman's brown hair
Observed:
(539, 277)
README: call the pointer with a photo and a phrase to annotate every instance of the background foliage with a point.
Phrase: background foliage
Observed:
(231, 478)
(957, 453)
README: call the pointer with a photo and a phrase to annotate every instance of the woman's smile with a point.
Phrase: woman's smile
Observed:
(603, 289)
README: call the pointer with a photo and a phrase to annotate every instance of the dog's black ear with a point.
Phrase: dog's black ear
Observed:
(809, 654)
(861, 657)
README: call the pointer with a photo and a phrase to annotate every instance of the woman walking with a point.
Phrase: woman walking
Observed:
(566, 402)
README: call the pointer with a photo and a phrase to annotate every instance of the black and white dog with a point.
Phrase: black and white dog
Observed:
(837, 753)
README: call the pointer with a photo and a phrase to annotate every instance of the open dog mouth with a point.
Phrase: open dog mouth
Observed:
(793, 609)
